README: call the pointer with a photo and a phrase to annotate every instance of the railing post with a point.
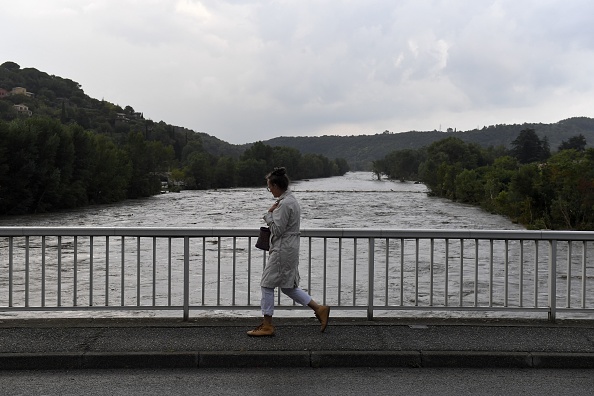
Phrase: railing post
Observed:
(371, 276)
(186, 279)
(552, 280)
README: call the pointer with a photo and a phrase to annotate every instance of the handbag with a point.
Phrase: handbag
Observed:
(263, 241)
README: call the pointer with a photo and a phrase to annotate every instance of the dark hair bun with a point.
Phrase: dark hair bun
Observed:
(279, 171)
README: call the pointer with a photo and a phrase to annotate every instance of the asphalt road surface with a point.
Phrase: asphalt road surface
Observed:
(306, 381)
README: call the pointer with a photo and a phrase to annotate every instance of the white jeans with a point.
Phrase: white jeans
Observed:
(296, 293)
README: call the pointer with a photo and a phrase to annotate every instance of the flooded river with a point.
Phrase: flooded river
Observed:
(355, 200)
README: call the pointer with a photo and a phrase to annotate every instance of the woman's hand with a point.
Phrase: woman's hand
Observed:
(273, 206)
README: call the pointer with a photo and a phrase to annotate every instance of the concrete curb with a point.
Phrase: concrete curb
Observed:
(292, 359)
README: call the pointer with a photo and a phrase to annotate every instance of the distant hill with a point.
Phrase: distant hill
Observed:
(52, 96)
(361, 150)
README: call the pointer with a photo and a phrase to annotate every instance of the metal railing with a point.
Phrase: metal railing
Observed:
(191, 269)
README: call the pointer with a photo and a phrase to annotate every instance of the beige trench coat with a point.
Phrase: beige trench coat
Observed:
(282, 268)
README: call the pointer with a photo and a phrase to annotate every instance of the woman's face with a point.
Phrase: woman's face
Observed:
(273, 188)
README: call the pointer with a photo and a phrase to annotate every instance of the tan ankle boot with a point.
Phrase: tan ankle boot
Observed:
(264, 330)
(323, 314)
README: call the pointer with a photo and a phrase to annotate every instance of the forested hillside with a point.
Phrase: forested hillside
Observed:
(61, 149)
(60, 98)
(361, 151)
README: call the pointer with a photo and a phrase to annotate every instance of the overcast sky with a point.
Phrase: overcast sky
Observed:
(249, 70)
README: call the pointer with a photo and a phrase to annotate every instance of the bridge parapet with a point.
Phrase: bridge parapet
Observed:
(395, 272)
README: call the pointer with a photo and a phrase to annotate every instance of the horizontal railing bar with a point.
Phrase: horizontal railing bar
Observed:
(305, 232)
(290, 307)
(454, 308)
(94, 308)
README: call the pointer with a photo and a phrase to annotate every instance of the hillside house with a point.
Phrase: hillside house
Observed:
(20, 91)
(22, 109)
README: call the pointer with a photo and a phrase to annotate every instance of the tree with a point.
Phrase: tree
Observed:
(469, 187)
(576, 143)
(63, 115)
(343, 166)
(83, 166)
(379, 168)
(496, 179)
(444, 160)
(251, 172)
(193, 145)
(147, 158)
(10, 66)
(570, 176)
(224, 173)
(17, 185)
(111, 172)
(528, 147)
(529, 198)
(311, 166)
(200, 171)
(286, 157)
(402, 164)
(259, 151)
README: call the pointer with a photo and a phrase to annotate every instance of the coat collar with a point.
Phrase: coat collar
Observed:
(284, 195)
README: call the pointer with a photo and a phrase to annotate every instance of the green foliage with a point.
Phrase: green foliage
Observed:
(496, 178)
(556, 194)
(47, 166)
(251, 171)
(224, 173)
(199, 171)
(260, 159)
(469, 186)
(400, 164)
(444, 160)
(574, 143)
(528, 147)
(10, 66)
(570, 175)
(110, 172)
(76, 150)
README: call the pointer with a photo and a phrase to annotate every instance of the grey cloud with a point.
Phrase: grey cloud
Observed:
(255, 69)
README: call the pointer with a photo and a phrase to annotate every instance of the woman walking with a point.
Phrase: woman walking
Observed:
(282, 269)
